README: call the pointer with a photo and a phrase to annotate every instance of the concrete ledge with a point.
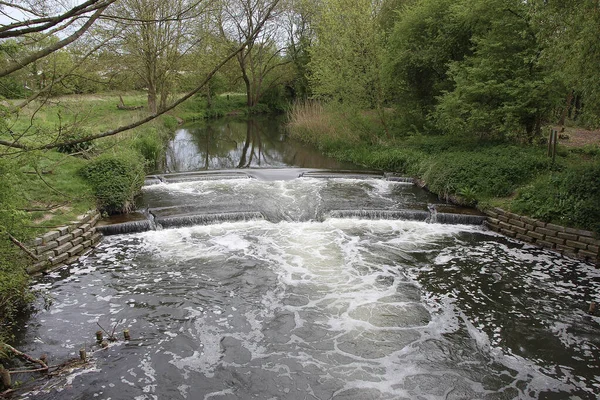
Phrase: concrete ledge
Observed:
(571, 242)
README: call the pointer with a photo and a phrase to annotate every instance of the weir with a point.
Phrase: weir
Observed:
(302, 283)
(206, 197)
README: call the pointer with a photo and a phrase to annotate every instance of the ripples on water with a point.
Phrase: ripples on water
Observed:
(344, 309)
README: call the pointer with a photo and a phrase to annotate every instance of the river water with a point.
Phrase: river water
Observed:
(307, 302)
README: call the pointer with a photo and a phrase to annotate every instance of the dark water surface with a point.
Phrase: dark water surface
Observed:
(298, 307)
(258, 142)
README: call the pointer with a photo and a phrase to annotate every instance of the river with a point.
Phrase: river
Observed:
(319, 290)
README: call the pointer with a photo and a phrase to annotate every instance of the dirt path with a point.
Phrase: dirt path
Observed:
(578, 137)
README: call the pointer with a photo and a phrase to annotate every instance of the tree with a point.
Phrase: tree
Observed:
(98, 8)
(426, 37)
(568, 34)
(261, 61)
(500, 90)
(345, 56)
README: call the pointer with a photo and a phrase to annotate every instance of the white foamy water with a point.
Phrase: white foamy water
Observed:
(343, 309)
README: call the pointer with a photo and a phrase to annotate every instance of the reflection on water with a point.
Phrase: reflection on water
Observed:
(257, 142)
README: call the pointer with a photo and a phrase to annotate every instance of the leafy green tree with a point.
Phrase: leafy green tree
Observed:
(568, 32)
(345, 56)
(501, 90)
(426, 37)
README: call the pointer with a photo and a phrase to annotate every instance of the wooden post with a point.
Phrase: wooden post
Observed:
(82, 355)
(104, 344)
(592, 308)
(5, 374)
(126, 334)
(99, 336)
(552, 142)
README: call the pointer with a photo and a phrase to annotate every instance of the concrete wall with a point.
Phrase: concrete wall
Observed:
(571, 242)
(65, 244)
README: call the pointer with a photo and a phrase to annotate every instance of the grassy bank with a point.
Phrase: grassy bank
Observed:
(42, 190)
(520, 178)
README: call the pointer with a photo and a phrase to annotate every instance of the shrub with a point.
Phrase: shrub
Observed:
(570, 197)
(150, 145)
(116, 179)
(77, 147)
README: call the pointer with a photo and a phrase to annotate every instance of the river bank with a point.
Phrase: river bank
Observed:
(520, 178)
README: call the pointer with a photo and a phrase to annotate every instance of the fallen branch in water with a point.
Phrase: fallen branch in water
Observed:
(20, 354)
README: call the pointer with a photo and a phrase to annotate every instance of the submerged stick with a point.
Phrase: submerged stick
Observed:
(24, 356)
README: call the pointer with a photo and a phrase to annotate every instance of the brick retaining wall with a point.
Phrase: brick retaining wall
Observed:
(571, 242)
(65, 244)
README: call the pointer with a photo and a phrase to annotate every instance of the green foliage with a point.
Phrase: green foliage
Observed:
(427, 36)
(345, 60)
(151, 146)
(500, 90)
(116, 179)
(569, 197)
(489, 172)
(77, 147)
(14, 282)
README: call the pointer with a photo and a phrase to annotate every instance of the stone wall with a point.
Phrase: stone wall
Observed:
(571, 242)
(64, 245)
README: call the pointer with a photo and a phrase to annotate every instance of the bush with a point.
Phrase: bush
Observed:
(493, 172)
(150, 145)
(570, 197)
(116, 179)
(77, 147)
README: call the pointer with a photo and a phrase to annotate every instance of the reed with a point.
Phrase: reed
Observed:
(311, 122)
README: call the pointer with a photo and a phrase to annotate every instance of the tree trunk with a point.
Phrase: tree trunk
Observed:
(152, 107)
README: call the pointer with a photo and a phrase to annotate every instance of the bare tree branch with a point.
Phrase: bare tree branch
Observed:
(58, 45)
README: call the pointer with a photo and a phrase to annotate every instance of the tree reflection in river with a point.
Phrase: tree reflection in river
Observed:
(256, 142)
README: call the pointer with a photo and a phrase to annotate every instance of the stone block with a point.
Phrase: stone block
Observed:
(593, 249)
(545, 243)
(85, 218)
(86, 244)
(96, 238)
(71, 260)
(75, 250)
(576, 244)
(77, 241)
(555, 240)
(44, 248)
(503, 218)
(513, 216)
(540, 224)
(46, 256)
(516, 222)
(525, 238)
(95, 218)
(536, 235)
(35, 242)
(63, 249)
(50, 236)
(567, 236)
(579, 232)
(547, 232)
(37, 267)
(588, 240)
(85, 227)
(529, 227)
(58, 259)
(566, 250)
(587, 254)
(63, 230)
(528, 220)
(521, 231)
(87, 235)
(505, 225)
(64, 239)
(77, 232)
(491, 213)
(508, 233)
(555, 227)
